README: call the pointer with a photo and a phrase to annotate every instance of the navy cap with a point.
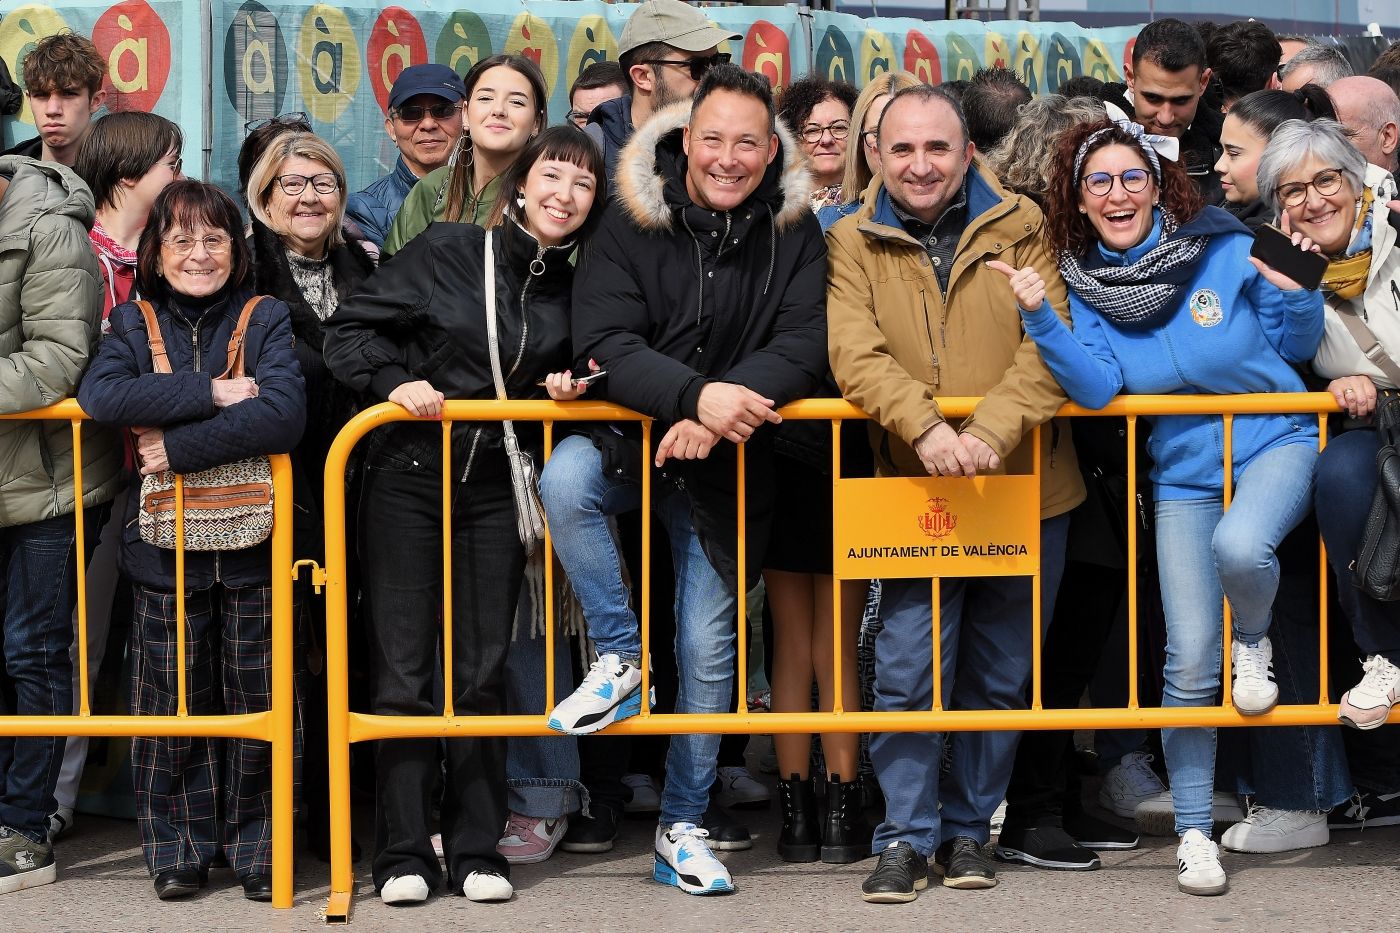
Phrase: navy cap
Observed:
(438, 80)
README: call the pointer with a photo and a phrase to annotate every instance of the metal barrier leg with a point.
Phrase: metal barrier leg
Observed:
(283, 726)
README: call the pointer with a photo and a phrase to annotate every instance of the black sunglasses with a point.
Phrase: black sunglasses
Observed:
(697, 66)
(295, 118)
(414, 113)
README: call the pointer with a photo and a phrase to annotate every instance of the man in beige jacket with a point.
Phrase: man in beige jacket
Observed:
(913, 314)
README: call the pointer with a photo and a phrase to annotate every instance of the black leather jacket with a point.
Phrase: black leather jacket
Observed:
(422, 316)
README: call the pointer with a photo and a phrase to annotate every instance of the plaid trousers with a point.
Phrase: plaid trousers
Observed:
(196, 796)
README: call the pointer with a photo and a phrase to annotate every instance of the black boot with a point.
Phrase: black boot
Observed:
(800, 839)
(845, 836)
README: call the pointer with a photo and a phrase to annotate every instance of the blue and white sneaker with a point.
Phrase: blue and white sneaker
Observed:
(612, 691)
(684, 860)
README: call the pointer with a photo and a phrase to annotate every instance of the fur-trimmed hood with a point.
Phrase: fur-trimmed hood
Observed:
(651, 167)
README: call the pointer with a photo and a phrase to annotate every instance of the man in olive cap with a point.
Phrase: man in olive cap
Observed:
(665, 49)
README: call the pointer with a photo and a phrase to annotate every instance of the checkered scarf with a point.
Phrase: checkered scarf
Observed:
(1139, 295)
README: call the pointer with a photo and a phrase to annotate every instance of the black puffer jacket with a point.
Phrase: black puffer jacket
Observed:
(422, 316)
(329, 404)
(670, 296)
(122, 389)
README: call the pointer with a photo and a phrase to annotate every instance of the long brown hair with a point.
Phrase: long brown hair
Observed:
(1066, 228)
(459, 183)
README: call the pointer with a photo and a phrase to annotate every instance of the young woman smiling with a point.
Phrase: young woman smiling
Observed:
(414, 335)
(1166, 299)
(1246, 132)
(506, 106)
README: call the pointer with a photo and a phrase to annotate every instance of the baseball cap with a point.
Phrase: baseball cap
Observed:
(677, 24)
(438, 80)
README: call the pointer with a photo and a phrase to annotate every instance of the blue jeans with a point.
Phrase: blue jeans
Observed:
(38, 590)
(541, 770)
(986, 636)
(1346, 481)
(1202, 550)
(572, 487)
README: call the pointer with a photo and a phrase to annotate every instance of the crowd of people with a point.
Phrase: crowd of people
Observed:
(692, 246)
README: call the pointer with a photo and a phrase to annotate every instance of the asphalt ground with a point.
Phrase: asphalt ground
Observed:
(1351, 884)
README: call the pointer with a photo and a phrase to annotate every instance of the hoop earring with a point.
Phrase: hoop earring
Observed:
(462, 148)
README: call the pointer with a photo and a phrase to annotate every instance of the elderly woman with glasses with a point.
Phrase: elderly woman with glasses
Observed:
(1166, 299)
(1313, 176)
(198, 799)
(818, 112)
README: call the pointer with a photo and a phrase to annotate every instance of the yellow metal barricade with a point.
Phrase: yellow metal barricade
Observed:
(274, 726)
(346, 727)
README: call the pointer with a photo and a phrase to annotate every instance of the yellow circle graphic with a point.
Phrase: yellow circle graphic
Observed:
(593, 42)
(20, 31)
(876, 55)
(328, 63)
(531, 37)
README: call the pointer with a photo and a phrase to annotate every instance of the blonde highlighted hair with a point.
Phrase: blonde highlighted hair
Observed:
(263, 176)
(858, 174)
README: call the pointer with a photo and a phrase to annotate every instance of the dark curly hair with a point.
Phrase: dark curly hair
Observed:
(1069, 230)
(801, 97)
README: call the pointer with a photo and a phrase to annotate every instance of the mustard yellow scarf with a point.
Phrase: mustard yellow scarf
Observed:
(1346, 275)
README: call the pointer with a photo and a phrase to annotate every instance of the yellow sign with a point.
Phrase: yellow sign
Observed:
(931, 526)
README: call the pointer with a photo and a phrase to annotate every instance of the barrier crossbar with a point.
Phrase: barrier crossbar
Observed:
(346, 727)
(274, 726)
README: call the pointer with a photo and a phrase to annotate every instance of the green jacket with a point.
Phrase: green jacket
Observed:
(423, 206)
(50, 320)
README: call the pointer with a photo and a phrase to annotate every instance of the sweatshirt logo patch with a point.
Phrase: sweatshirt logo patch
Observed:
(1206, 309)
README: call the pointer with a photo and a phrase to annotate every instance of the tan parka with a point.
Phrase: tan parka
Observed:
(897, 343)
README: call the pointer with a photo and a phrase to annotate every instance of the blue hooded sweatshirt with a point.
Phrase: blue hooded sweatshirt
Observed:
(1233, 332)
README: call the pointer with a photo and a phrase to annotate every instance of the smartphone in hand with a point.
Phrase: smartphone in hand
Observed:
(1275, 248)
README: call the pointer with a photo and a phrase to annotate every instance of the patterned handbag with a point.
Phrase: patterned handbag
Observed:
(227, 507)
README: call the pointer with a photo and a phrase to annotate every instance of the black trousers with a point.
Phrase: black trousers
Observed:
(401, 553)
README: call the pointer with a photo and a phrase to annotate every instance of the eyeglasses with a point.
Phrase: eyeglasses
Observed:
(322, 183)
(215, 244)
(294, 118)
(1099, 184)
(175, 165)
(1328, 181)
(577, 117)
(871, 138)
(697, 66)
(813, 133)
(414, 113)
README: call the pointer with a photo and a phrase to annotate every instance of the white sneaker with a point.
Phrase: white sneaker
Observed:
(739, 789)
(1254, 690)
(404, 889)
(1367, 705)
(1198, 865)
(1268, 830)
(487, 886)
(684, 860)
(612, 691)
(645, 797)
(60, 821)
(436, 841)
(1156, 816)
(998, 818)
(1129, 783)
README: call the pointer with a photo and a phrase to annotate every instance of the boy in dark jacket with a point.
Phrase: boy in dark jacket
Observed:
(703, 296)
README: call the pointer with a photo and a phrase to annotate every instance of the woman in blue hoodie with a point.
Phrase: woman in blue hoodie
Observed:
(1166, 299)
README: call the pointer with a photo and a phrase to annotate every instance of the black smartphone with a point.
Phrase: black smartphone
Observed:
(1275, 248)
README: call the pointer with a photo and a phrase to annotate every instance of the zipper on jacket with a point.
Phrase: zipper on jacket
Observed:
(932, 347)
(699, 271)
(194, 332)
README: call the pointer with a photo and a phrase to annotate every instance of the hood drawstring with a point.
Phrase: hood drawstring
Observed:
(772, 247)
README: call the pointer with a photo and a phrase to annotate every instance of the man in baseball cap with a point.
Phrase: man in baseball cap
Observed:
(665, 49)
(425, 122)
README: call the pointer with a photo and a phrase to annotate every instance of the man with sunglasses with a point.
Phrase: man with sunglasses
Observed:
(665, 49)
(425, 122)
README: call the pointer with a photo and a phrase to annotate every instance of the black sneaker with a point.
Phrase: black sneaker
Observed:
(898, 877)
(1366, 809)
(593, 833)
(1099, 835)
(1044, 847)
(727, 833)
(963, 863)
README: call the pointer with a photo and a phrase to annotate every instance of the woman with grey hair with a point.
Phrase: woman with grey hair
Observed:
(1313, 174)
(1023, 159)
